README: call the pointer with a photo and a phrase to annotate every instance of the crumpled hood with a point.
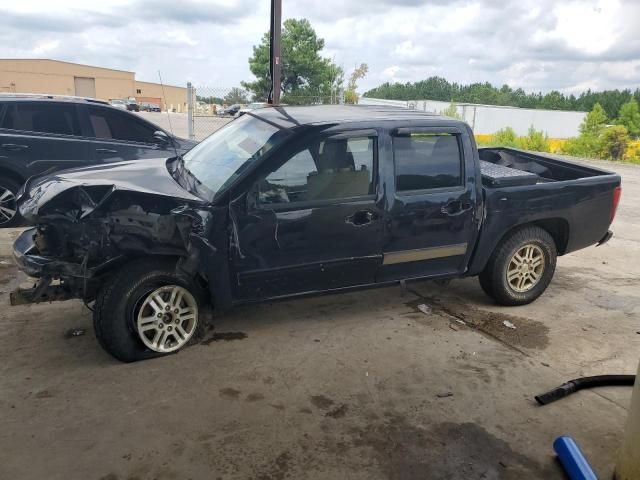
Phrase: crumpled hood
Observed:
(93, 184)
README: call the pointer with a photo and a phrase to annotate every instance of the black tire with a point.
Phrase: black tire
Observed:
(7, 184)
(493, 279)
(118, 302)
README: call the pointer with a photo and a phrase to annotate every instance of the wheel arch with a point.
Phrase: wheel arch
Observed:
(557, 227)
(10, 174)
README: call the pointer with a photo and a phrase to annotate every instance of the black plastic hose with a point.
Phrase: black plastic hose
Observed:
(585, 382)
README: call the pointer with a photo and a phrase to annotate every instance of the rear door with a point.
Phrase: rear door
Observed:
(311, 221)
(434, 212)
(118, 135)
(37, 137)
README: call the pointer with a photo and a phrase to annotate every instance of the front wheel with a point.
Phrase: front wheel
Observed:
(9, 215)
(521, 268)
(146, 310)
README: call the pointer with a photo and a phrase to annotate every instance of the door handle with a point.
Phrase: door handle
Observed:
(361, 218)
(456, 207)
(106, 150)
(14, 147)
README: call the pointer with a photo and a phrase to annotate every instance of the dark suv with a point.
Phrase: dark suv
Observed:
(42, 133)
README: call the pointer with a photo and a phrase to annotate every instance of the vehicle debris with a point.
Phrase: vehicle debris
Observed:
(444, 395)
(508, 324)
(424, 308)
(75, 332)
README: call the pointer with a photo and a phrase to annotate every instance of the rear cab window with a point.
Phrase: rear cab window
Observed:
(111, 124)
(427, 161)
(41, 117)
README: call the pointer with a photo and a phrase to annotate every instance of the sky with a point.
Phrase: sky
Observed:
(539, 45)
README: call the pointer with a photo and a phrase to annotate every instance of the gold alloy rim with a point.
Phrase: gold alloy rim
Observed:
(525, 268)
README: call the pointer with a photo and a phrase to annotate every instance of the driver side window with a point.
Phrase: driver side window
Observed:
(326, 169)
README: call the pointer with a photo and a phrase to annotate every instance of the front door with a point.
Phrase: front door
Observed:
(311, 220)
(434, 214)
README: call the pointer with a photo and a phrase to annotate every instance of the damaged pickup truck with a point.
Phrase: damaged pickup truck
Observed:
(297, 200)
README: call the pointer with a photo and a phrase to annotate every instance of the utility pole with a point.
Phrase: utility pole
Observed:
(275, 37)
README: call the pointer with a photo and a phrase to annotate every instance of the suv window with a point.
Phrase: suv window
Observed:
(42, 117)
(327, 169)
(112, 124)
(424, 161)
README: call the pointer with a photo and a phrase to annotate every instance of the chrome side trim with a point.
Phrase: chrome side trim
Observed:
(419, 254)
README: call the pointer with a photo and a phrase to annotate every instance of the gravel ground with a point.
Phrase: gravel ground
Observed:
(355, 386)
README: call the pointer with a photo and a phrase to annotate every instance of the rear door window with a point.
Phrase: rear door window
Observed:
(426, 161)
(111, 124)
(44, 117)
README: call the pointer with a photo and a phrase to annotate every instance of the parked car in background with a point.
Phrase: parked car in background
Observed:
(132, 106)
(231, 110)
(120, 104)
(149, 107)
(41, 134)
(300, 200)
(252, 106)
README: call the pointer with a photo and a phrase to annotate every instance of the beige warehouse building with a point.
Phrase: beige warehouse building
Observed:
(65, 78)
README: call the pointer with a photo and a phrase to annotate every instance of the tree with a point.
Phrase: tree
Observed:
(629, 117)
(235, 95)
(306, 75)
(209, 100)
(351, 94)
(594, 122)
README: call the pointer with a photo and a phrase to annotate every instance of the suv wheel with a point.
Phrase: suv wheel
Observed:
(521, 267)
(147, 310)
(9, 215)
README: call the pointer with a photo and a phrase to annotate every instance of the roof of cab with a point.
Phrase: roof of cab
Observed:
(291, 117)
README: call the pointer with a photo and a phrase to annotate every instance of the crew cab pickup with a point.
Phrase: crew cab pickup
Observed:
(291, 201)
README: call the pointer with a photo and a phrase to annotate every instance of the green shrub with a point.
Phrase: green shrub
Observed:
(614, 142)
(629, 116)
(536, 140)
(506, 137)
(452, 112)
(582, 146)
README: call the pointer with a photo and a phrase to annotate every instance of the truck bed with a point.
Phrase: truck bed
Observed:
(573, 202)
(547, 169)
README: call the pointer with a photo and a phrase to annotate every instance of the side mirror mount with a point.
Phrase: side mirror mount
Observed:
(161, 137)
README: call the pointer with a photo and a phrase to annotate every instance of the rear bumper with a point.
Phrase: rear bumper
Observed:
(606, 238)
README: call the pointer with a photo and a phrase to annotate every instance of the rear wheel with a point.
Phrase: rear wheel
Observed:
(9, 215)
(521, 268)
(146, 310)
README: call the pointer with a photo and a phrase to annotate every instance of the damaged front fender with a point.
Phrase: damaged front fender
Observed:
(85, 229)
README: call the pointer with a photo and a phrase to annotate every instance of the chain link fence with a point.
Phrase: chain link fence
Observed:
(210, 108)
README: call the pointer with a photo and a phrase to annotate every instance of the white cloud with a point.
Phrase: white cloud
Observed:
(534, 44)
(46, 47)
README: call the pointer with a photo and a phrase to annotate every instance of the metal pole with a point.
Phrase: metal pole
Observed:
(275, 50)
(190, 131)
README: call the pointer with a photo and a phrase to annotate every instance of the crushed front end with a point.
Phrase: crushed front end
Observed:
(85, 230)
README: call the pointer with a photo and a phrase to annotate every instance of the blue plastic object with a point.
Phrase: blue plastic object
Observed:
(574, 462)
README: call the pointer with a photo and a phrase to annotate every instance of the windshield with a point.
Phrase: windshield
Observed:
(223, 156)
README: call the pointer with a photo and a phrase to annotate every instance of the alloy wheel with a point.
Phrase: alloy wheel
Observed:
(525, 268)
(167, 318)
(8, 205)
